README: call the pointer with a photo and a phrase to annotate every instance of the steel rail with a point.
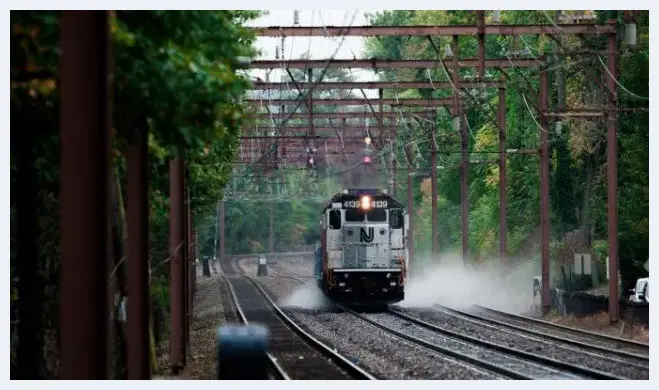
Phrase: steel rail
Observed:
(442, 350)
(592, 347)
(354, 371)
(276, 369)
(578, 332)
(582, 371)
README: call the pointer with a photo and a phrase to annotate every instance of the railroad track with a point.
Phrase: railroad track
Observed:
(504, 361)
(595, 341)
(497, 358)
(621, 355)
(561, 355)
(294, 353)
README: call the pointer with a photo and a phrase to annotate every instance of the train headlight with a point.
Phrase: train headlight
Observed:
(366, 202)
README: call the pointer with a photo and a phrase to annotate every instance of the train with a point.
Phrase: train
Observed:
(363, 255)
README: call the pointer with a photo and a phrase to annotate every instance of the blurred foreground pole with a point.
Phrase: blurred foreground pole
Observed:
(84, 198)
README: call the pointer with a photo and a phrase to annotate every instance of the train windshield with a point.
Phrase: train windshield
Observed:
(396, 219)
(376, 215)
(355, 215)
(359, 215)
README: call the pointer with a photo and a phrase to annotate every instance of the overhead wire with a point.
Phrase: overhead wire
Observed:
(404, 120)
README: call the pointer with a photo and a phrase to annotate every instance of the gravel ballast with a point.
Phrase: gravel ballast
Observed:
(566, 333)
(382, 354)
(529, 344)
(521, 366)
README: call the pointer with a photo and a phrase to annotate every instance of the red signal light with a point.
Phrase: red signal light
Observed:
(367, 160)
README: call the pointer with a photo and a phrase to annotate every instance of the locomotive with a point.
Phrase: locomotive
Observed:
(362, 258)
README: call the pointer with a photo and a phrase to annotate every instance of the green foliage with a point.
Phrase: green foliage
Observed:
(174, 73)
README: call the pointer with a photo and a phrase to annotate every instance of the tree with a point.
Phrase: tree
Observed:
(174, 74)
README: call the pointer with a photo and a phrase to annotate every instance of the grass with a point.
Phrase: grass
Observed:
(600, 323)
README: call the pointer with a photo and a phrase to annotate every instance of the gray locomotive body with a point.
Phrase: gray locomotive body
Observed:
(362, 258)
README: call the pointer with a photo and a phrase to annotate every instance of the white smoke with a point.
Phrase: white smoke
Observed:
(307, 296)
(448, 282)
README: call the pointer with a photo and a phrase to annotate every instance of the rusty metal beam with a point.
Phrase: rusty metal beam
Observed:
(84, 198)
(301, 138)
(137, 210)
(330, 115)
(544, 193)
(410, 212)
(433, 188)
(393, 64)
(503, 229)
(383, 31)
(312, 132)
(221, 233)
(188, 254)
(356, 102)
(462, 130)
(305, 128)
(480, 16)
(574, 114)
(176, 247)
(612, 180)
(378, 85)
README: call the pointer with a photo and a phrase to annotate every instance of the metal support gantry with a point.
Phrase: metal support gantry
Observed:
(480, 63)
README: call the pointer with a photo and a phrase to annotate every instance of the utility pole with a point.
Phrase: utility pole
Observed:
(221, 230)
(217, 228)
(503, 250)
(612, 182)
(433, 187)
(464, 178)
(544, 190)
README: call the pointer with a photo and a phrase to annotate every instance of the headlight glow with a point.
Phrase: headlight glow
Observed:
(366, 202)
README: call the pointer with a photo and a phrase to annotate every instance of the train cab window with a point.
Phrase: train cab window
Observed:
(376, 215)
(354, 215)
(396, 220)
(335, 219)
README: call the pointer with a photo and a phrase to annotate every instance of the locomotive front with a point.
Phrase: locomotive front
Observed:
(363, 255)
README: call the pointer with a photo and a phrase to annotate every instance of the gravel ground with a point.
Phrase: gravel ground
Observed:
(530, 344)
(366, 345)
(514, 364)
(382, 354)
(212, 307)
